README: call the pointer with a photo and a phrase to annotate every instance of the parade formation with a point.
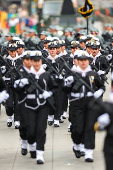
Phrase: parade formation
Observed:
(45, 79)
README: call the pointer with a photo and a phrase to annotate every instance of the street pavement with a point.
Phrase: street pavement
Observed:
(58, 149)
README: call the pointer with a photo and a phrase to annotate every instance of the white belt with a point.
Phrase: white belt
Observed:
(89, 94)
(31, 96)
(7, 78)
(80, 95)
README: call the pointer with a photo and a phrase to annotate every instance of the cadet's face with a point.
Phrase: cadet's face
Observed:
(52, 52)
(82, 44)
(63, 48)
(19, 51)
(73, 50)
(58, 50)
(12, 53)
(9, 38)
(67, 34)
(27, 63)
(94, 52)
(42, 37)
(75, 62)
(46, 45)
(88, 49)
(37, 64)
(83, 63)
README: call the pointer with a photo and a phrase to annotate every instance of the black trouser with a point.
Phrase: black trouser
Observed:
(37, 124)
(23, 121)
(12, 106)
(65, 102)
(108, 161)
(83, 119)
(58, 103)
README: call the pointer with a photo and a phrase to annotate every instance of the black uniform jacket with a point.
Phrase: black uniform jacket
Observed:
(78, 91)
(10, 77)
(30, 93)
(102, 63)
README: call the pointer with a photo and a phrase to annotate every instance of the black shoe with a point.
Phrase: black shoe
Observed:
(17, 127)
(24, 151)
(9, 124)
(40, 161)
(77, 153)
(82, 153)
(55, 125)
(33, 154)
(61, 121)
(63, 117)
(50, 123)
(89, 160)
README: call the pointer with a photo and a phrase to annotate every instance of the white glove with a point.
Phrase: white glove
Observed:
(16, 83)
(104, 120)
(98, 93)
(45, 94)
(3, 96)
(111, 97)
(3, 69)
(68, 81)
(44, 66)
(109, 57)
(100, 72)
(60, 77)
(23, 82)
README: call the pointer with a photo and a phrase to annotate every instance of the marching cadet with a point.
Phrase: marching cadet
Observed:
(68, 37)
(23, 110)
(63, 47)
(54, 61)
(9, 37)
(98, 59)
(75, 62)
(12, 107)
(45, 49)
(82, 42)
(37, 105)
(43, 35)
(105, 122)
(88, 47)
(82, 131)
(20, 48)
(74, 47)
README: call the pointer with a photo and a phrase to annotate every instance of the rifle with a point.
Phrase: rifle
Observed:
(35, 85)
(11, 70)
(103, 76)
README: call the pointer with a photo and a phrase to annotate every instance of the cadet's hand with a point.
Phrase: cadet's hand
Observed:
(68, 81)
(44, 66)
(3, 69)
(104, 121)
(3, 96)
(109, 57)
(98, 93)
(45, 94)
(22, 82)
(100, 72)
(16, 83)
(60, 77)
(111, 97)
